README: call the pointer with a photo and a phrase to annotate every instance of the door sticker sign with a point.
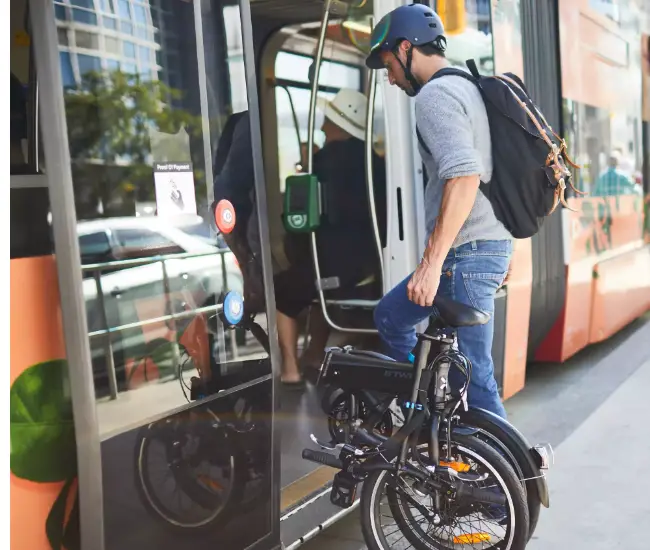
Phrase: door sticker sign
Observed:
(224, 216)
(174, 183)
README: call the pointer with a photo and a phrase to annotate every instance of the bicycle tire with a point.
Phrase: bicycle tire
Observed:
(484, 454)
(156, 509)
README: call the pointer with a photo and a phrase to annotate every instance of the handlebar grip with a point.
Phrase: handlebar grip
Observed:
(322, 458)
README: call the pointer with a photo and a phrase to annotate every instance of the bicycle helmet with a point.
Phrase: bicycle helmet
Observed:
(416, 23)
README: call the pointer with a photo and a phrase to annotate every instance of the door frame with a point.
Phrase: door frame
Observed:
(66, 243)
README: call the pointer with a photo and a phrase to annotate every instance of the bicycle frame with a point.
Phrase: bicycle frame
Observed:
(420, 408)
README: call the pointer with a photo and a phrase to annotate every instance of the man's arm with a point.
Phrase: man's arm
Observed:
(447, 130)
(457, 200)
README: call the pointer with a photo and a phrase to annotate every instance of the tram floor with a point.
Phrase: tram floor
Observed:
(299, 416)
(571, 406)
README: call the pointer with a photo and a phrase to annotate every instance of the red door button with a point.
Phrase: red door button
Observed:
(224, 216)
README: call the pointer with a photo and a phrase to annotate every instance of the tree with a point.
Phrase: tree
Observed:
(111, 117)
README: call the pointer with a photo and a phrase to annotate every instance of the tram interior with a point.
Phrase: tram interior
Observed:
(285, 62)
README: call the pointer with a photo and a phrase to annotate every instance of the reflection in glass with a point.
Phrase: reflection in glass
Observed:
(470, 35)
(607, 147)
(153, 284)
(192, 479)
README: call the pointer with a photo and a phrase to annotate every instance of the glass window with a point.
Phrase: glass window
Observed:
(291, 66)
(129, 49)
(129, 68)
(469, 37)
(112, 44)
(83, 16)
(508, 53)
(95, 248)
(109, 22)
(62, 35)
(142, 32)
(83, 3)
(288, 147)
(60, 12)
(87, 40)
(112, 65)
(124, 11)
(67, 74)
(127, 28)
(107, 6)
(144, 54)
(140, 14)
(88, 63)
(603, 102)
(123, 155)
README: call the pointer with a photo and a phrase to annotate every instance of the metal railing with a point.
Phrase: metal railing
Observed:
(98, 268)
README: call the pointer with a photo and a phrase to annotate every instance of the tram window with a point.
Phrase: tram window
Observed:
(288, 148)
(295, 67)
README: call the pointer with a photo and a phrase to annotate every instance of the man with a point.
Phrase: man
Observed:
(345, 238)
(468, 250)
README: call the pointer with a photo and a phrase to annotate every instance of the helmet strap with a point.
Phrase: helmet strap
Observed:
(415, 85)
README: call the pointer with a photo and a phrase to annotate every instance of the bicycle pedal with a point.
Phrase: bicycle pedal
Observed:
(344, 490)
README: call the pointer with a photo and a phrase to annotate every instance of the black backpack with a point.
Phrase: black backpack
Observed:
(530, 173)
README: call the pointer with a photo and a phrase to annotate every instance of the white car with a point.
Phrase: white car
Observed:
(135, 293)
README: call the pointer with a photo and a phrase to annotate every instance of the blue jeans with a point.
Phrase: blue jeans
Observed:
(471, 274)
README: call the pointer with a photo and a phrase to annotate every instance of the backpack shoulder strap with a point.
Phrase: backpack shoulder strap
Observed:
(448, 71)
(421, 141)
(453, 71)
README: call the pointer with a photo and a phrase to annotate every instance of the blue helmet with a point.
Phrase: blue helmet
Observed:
(417, 23)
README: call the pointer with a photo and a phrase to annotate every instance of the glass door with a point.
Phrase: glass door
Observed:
(159, 120)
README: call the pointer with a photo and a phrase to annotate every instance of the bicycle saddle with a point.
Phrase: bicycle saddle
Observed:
(454, 314)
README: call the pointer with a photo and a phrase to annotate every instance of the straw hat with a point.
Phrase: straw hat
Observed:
(348, 111)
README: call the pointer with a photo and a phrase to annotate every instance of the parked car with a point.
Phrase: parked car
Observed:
(133, 294)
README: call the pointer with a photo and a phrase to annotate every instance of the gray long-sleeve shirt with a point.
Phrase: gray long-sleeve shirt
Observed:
(453, 123)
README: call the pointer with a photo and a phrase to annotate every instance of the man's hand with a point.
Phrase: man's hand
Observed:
(423, 286)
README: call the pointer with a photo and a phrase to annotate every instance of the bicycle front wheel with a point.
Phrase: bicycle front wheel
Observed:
(400, 512)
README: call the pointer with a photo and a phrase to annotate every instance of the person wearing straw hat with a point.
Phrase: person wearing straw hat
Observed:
(345, 238)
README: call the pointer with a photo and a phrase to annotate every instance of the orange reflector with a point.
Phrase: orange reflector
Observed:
(215, 485)
(458, 466)
(472, 538)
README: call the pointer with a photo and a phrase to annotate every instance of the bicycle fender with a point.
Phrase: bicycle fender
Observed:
(514, 440)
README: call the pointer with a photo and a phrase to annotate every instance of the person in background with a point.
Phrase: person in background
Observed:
(345, 239)
(613, 181)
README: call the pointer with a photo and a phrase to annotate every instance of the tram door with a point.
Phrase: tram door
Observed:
(172, 394)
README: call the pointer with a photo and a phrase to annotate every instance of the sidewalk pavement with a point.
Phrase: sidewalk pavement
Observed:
(600, 488)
